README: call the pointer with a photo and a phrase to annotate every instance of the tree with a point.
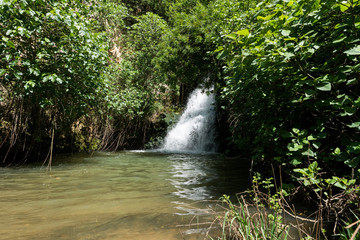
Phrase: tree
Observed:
(50, 71)
(292, 75)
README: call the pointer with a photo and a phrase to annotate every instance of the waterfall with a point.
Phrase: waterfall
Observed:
(195, 131)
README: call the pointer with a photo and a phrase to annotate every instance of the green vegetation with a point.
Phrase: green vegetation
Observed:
(253, 221)
(51, 66)
(294, 69)
(291, 94)
(97, 75)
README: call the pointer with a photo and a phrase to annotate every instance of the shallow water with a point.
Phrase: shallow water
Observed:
(125, 195)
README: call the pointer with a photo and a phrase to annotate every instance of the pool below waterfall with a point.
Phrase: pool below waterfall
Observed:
(122, 195)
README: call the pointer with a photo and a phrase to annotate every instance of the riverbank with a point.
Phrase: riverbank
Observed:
(270, 211)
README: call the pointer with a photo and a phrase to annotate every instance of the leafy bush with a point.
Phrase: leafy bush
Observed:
(50, 72)
(292, 83)
(291, 91)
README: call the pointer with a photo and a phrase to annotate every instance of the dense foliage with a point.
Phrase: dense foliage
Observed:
(292, 94)
(51, 63)
(294, 69)
(90, 75)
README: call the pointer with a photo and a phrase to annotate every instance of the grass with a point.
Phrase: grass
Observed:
(251, 221)
(259, 215)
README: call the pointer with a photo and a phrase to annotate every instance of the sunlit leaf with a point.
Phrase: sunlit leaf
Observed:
(295, 162)
(349, 111)
(231, 36)
(344, 6)
(339, 40)
(324, 86)
(244, 32)
(353, 51)
(285, 33)
(354, 125)
(220, 48)
(10, 44)
(223, 54)
(353, 163)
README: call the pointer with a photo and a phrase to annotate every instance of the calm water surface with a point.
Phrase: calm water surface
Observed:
(126, 195)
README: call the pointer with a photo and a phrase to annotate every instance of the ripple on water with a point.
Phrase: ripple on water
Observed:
(127, 195)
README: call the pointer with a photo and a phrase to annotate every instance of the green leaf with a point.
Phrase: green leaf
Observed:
(313, 167)
(295, 130)
(222, 54)
(10, 44)
(244, 32)
(324, 86)
(310, 92)
(344, 6)
(266, 18)
(352, 182)
(353, 51)
(340, 185)
(354, 125)
(339, 40)
(311, 138)
(353, 163)
(295, 162)
(289, 54)
(351, 81)
(308, 153)
(291, 2)
(303, 171)
(285, 33)
(349, 111)
(293, 147)
(29, 84)
(316, 145)
(337, 151)
(231, 36)
(220, 48)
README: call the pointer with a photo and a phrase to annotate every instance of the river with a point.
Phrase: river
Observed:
(122, 195)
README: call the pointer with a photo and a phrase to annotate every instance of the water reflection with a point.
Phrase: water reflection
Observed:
(204, 177)
(190, 177)
(113, 196)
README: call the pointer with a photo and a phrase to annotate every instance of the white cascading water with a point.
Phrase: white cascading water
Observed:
(196, 130)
